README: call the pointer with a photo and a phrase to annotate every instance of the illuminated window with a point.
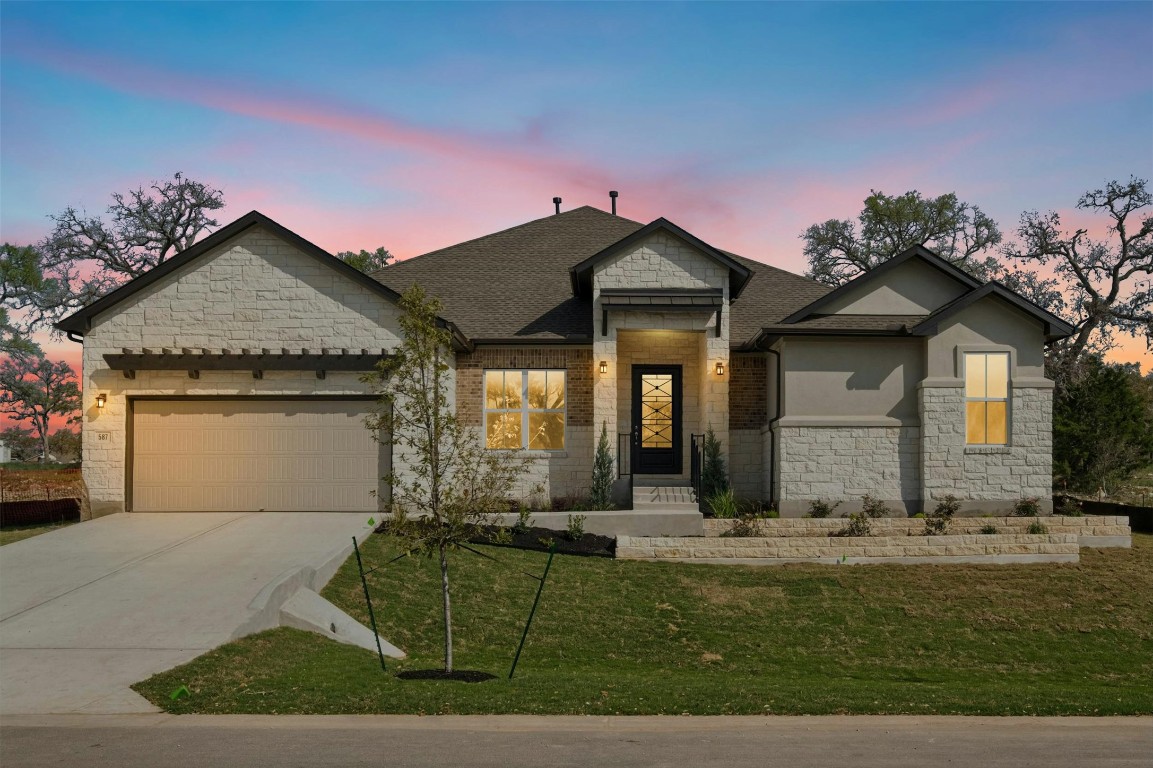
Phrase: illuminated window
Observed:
(524, 409)
(987, 398)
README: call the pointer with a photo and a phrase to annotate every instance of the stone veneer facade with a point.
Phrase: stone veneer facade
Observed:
(662, 261)
(254, 291)
(987, 476)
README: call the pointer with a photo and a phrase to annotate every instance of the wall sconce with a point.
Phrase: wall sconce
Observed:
(720, 368)
(101, 399)
(604, 367)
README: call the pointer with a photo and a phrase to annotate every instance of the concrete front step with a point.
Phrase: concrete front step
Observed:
(662, 494)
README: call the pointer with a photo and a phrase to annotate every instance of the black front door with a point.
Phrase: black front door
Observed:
(656, 419)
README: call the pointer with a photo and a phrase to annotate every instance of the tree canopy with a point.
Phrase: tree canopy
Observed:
(34, 389)
(839, 249)
(366, 261)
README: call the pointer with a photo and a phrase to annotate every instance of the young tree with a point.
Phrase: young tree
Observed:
(33, 388)
(602, 486)
(714, 474)
(366, 261)
(86, 256)
(445, 484)
(839, 250)
(1105, 282)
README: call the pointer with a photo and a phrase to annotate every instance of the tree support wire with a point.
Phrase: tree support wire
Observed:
(539, 589)
(368, 600)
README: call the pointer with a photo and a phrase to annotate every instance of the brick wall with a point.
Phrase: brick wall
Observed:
(577, 361)
(748, 392)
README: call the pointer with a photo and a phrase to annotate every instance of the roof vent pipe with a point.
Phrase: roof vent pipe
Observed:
(556, 202)
(613, 194)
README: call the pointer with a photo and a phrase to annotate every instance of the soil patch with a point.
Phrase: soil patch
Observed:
(459, 675)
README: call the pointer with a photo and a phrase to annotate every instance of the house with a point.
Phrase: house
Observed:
(228, 377)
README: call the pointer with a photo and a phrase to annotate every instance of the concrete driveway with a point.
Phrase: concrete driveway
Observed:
(90, 609)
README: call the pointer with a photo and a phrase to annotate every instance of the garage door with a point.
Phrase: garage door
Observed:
(249, 455)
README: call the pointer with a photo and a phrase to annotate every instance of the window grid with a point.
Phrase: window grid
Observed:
(987, 398)
(518, 424)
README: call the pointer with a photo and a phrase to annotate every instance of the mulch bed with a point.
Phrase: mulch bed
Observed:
(459, 675)
(541, 539)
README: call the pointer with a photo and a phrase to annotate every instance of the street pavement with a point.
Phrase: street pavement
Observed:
(135, 741)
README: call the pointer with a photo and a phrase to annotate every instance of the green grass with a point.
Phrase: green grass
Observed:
(21, 532)
(618, 637)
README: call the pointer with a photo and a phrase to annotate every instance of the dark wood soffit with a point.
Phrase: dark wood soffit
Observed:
(267, 360)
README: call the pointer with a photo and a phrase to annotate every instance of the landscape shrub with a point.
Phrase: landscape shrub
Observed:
(988, 529)
(601, 495)
(1036, 527)
(714, 475)
(1028, 507)
(859, 525)
(724, 504)
(576, 527)
(874, 508)
(820, 509)
(938, 521)
(1070, 507)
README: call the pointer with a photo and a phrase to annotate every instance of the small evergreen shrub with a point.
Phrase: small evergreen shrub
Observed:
(988, 529)
(601, 495)
(938, 521)
(1030, 507)
(820, 509)
(1036, 527)
(714, 475)
(524, 519)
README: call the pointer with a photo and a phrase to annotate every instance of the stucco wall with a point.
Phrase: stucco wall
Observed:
(913, 288)
(987, 325)
(252, 292)
(852, 377)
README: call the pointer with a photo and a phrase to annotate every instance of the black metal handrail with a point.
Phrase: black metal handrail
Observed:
(624, 468)
(696, 447)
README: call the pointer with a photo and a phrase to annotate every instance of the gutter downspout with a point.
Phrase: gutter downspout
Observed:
(73, 337)
(772, 434)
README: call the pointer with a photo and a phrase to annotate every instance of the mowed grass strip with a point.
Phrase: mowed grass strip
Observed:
(21, 532)
(619, 637)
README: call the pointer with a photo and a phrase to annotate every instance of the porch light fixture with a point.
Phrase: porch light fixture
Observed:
(720, 368)
(101, 399)
(604, 367)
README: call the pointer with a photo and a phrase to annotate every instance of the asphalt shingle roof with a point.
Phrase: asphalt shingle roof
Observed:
(515, 284)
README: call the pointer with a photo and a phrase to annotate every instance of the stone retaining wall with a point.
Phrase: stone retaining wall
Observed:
(968, 548)
(1092, 531)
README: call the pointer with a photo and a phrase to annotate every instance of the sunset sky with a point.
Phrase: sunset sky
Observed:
(415, 126)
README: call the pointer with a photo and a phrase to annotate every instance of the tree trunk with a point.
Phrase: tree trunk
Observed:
(447, 609)
(42, 428)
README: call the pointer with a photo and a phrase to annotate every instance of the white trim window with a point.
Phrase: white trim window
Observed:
(987, 398)
(524, 409)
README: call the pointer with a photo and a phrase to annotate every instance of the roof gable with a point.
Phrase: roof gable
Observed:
(580, 275)
(1055, 327)
(887, 268)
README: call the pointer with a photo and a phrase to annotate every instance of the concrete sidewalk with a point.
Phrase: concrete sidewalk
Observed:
(90, 609)
(510, 741)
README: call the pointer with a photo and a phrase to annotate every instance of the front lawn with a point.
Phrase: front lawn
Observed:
(21, 532)
(619, 637)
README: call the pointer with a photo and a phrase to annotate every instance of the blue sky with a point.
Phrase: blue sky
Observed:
(418, 125)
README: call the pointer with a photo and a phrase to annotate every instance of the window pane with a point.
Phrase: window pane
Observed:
(494, 389)
(512, 389)
(502, 430)
(536, 389)
(997, 381)
(546, 431)
(975, 418)
(996, 419)
(555, 397)
(974, 375)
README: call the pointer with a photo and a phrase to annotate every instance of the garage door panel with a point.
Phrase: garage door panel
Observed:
(247, 455)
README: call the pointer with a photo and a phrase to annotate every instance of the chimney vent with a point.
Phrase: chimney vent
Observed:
(556, 202)
(613, 194)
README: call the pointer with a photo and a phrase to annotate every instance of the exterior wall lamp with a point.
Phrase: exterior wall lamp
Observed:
(101, 399)
(720, 368)
(604, 366)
